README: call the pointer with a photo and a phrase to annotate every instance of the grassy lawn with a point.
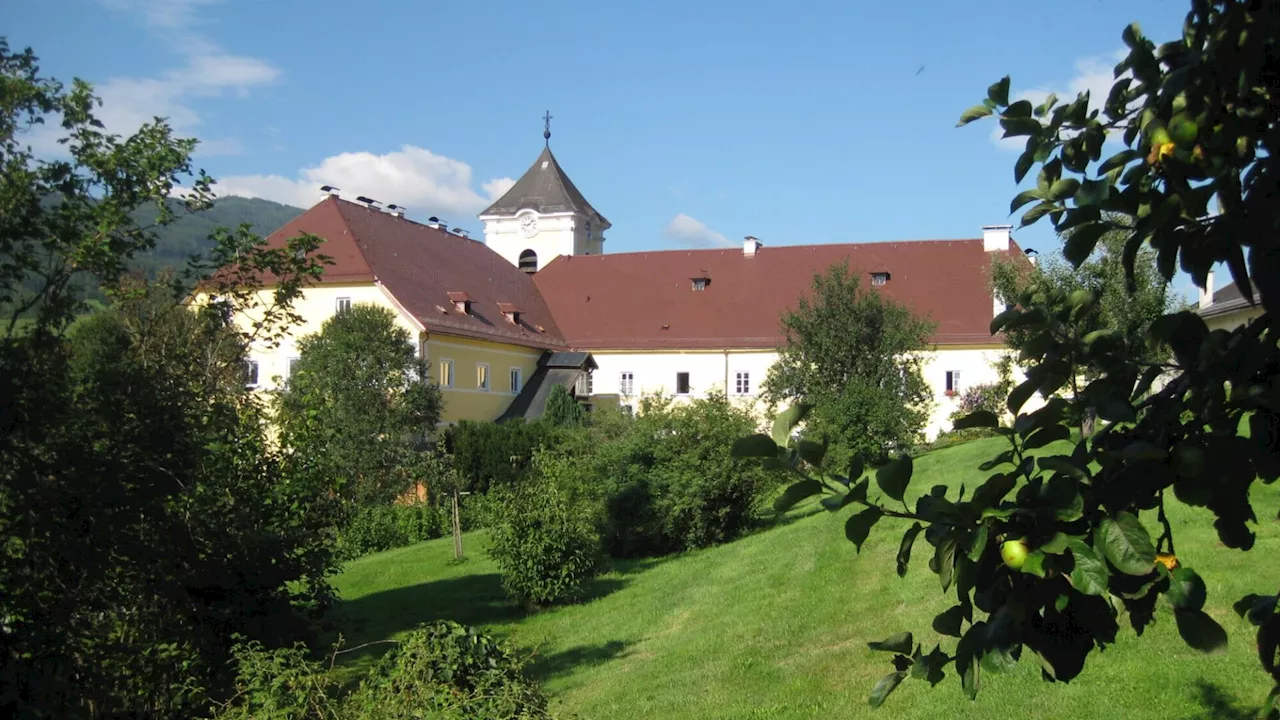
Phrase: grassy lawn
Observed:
(775, 626)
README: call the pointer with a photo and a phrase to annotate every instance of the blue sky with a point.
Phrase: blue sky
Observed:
(687, 124)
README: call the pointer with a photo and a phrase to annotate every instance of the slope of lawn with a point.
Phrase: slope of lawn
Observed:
(775, 626)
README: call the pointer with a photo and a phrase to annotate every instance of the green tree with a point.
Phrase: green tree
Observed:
(488, 455)
(357, 404)
(1046, 556)
(563, 409)
(855, 355)
(144, 522)
(1127, 305)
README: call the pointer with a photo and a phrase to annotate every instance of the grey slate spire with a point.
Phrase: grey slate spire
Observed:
(544, 188)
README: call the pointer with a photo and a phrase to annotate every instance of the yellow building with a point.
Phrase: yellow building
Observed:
(480, 322)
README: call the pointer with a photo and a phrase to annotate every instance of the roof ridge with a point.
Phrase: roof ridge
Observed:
(736, 249)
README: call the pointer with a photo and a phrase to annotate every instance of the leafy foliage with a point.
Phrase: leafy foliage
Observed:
(494, 455)
(356, 405)
(545, 539)
(853, 354)
(382, 527)
(563, 409)
(1054, 550)
(145, 521)
(666, 477)
(442, 670)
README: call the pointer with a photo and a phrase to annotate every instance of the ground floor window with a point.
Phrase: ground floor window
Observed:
(742, 383)
(482, 376)
(515, 381)
(251, 373)
(446, 373)
(626, 383)
(682, 383)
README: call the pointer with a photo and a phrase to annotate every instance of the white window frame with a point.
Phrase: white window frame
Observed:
(879, 278)
(688, 382)
(257, 373)
(342, 304)
(516, 376)
(742, 382)
(445, 362)
(288, 366)
(951, 382)
(484, 378)
(626, 383)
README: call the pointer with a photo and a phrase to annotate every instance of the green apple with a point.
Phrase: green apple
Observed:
(1014, 553)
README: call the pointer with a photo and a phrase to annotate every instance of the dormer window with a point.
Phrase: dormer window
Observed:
(879, 278)
(701, 283)
(510, 312)
(461, 302)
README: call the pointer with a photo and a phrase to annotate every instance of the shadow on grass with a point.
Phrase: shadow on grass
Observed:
(543, 668)
(1220, 705)
(476, 600)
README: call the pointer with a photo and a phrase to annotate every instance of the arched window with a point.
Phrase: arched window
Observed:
(529, 261)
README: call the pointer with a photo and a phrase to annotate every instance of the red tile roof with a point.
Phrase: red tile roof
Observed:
(645, 300)
(422, 267)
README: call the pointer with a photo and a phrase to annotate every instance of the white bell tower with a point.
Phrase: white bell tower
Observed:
(543, 216)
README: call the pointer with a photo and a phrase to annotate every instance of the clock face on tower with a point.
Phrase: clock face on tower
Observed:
(529, 225)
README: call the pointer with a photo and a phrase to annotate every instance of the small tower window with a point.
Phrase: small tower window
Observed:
(529, 261)
(879, 278)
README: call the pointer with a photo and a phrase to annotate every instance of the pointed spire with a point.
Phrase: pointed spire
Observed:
(546, 128)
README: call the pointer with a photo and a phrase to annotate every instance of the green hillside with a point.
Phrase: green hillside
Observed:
(775, 626)
(190, 233)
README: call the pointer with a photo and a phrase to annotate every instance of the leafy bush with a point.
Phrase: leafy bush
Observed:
(665, 478)
(488, 454)
(383, 527)
(443, 671)
(545, 538)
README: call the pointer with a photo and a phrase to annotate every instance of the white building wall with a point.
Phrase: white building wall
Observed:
(655, 372)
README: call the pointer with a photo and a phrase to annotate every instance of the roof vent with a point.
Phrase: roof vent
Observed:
(369, 202)
(396, 210)
(750, 246)
(436, 223)
(461, 231)
(461, 302)
(510, 312)
(329, 190)
(700, 283)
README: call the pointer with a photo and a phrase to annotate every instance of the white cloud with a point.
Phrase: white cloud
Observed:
(1095, 74)
(691, 232)
(206, 71)
(426, 183)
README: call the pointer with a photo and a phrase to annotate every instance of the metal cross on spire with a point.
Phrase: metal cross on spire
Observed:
(546, 131)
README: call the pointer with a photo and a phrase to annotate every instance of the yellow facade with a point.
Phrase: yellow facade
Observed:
(465, 398)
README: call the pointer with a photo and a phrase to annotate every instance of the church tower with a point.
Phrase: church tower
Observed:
(542, 216)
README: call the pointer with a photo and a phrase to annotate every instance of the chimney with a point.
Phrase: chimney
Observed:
(436, 223)
(329, 190)
(750, 246)
(996, 237)
(396, 210)
(1206, 292)
(1032, 255)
